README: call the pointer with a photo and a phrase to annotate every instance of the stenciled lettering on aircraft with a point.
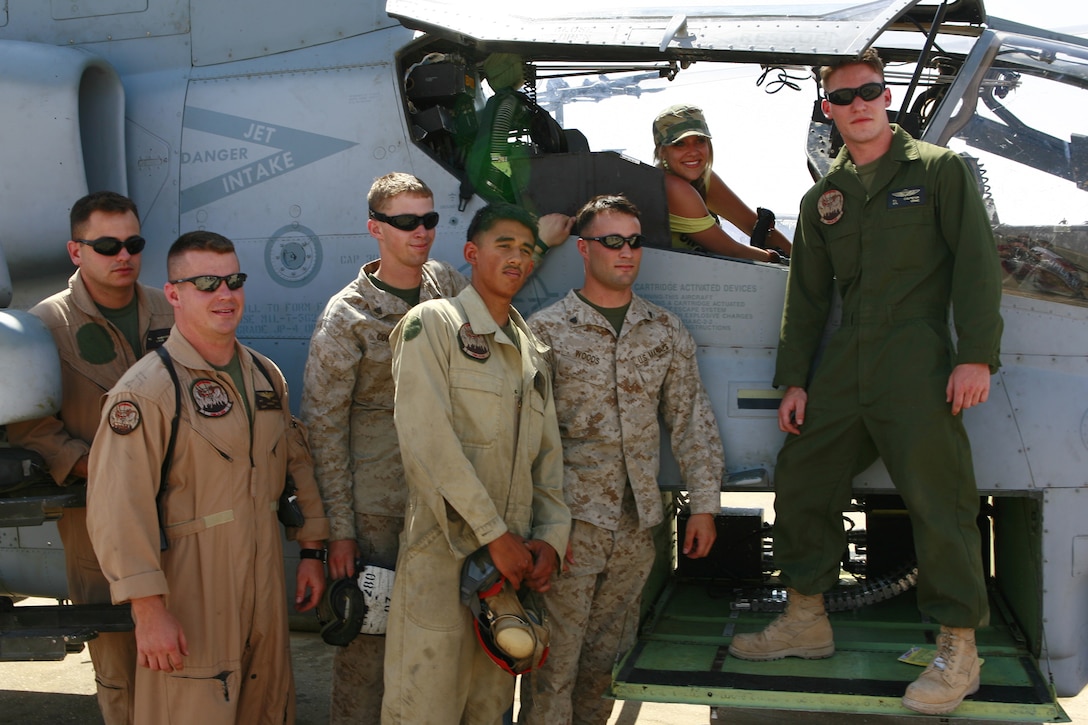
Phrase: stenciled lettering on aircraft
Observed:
(293, 149)
(207, 156)
(706, 306)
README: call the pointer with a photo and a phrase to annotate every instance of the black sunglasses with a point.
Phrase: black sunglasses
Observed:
(211, 282)
(615, 241)
(845, 96)
(407, 222)
(110, 246)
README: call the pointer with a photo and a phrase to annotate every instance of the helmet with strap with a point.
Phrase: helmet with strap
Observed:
(351, 606)
(512, 628)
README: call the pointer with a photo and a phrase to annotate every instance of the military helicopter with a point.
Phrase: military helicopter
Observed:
(210, 117)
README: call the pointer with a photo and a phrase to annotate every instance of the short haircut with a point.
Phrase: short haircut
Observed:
(616, 203)
(109, 202)
(492, 214)
(391, 185)
(199, 241)
(869, 57)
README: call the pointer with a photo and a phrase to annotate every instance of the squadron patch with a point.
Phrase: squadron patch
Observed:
(473, 345)
(830, 206)
(124, 417)
(210, 398)
(412, 328)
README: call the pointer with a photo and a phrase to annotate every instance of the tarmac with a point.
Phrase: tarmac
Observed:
(63, 692)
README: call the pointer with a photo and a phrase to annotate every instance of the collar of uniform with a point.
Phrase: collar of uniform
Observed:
(579, 312)
(479, 318)
(377, 299)
(182, 350)
(82, 298)
(903, 148)
(386, 303)
(481, 321)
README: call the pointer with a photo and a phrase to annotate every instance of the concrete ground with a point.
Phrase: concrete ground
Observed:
(63, 692)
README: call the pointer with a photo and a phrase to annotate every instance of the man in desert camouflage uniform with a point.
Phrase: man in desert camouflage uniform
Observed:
(347, 404)
(618, 360)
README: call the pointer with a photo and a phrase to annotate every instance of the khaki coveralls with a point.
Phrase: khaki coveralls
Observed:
(347, 404)
(222, 575)
(482, 456)
(609, 393)
(94, 355)
(899, 255)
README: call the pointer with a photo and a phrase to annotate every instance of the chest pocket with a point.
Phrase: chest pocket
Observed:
(909, 235)
(843, 243)
(269, 434)
(584, 366)
(535, 429)
(584, 388)
(378, 350)
(475, 397)
(653, 365)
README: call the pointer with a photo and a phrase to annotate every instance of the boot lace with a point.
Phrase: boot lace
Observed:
(946, 653)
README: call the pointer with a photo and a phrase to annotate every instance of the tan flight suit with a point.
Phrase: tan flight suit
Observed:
(222, 575)
(482, 456)
(94, 355)
(347, 404)
(610, 391)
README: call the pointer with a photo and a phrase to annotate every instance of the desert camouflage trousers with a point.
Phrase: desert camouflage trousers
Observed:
(358, 674)
(593, 609)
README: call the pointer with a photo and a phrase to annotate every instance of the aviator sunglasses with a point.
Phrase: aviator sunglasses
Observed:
(615, 241)
(845, 96)
(407, 222)
(211, 282)
(111, 246)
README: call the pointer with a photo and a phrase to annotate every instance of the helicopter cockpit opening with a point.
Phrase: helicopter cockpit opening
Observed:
(495, 121)
(1033, 165)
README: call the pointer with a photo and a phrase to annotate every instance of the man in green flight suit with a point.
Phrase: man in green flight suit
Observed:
(899, 227)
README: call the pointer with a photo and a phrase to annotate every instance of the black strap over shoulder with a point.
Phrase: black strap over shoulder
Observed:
(169, 457)
(289, 512)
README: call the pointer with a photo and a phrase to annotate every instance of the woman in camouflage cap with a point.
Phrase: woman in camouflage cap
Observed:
(697, 196)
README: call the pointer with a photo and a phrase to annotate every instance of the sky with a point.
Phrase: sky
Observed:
(1068, 16)
(760, 138)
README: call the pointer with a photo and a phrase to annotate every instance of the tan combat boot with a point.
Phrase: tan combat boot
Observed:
(803, 630)
(951, 676)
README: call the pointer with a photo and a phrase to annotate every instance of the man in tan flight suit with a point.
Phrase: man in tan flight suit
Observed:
(484, 466)
(210, 611)
(103, 323)
(620, 363)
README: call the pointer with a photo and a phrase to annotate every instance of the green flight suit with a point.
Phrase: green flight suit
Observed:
(899, 255)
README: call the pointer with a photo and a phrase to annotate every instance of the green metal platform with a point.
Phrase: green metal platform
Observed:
(682, 657)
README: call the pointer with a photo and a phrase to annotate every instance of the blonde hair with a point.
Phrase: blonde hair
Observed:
(391, 185)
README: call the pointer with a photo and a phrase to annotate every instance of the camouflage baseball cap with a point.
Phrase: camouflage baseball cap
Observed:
(677, 122)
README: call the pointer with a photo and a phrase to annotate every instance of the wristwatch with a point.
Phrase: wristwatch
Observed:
(318, 554)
